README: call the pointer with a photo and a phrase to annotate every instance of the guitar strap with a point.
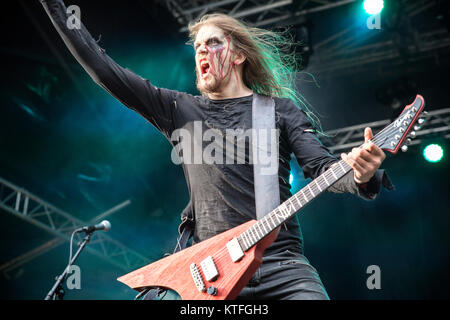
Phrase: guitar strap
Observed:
(265, 178)
(265, 147)
(267, 195)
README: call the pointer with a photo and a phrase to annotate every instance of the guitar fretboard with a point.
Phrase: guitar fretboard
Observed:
(292, 205)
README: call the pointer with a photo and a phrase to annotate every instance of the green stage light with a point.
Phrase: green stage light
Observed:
(433, 153)
(373, 6)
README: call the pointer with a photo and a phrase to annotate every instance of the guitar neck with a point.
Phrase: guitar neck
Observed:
(389, 139)
(291, 206)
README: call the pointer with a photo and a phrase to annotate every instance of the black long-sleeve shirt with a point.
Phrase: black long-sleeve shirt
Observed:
(222, 195)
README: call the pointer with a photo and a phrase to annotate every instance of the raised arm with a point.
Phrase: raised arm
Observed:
(135, 92)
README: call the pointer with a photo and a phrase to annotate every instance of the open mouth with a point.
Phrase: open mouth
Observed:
(204, 67)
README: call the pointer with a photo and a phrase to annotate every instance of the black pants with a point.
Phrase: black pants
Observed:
(285, 276)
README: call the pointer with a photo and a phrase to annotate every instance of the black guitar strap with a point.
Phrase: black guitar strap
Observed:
(267, 195)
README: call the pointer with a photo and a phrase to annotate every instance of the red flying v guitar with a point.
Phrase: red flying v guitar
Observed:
(218, 268)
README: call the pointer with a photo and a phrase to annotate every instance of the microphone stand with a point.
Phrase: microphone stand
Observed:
(57, 292)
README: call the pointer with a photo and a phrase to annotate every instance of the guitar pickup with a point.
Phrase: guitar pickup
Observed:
(235, 250)
(209, 269)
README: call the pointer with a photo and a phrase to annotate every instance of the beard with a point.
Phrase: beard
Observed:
(211, 84)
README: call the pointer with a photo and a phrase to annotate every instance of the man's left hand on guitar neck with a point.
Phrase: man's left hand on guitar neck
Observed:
(364, 160)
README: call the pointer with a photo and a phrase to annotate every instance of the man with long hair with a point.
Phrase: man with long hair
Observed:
(233, 62)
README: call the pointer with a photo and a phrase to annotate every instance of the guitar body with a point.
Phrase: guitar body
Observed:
(173, 272)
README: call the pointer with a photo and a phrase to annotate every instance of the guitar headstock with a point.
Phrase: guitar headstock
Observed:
(400, 132)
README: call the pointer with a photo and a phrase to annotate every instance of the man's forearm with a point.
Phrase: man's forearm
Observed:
(368, 191)
(129, 88)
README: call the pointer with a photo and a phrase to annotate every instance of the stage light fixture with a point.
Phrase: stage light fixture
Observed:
(373, 6)
(433, 153)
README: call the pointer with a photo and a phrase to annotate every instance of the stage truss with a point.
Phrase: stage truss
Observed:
(437, 124)
(347, 51)
(258, 13)
(59, 223)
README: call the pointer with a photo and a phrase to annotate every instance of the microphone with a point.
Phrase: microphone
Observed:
(105, 225)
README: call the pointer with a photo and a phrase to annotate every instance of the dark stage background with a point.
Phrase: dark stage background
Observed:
(67, 141)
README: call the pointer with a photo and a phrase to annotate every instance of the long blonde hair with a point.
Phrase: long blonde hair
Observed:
(270, 65)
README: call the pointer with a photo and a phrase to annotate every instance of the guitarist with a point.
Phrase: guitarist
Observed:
(234, 61)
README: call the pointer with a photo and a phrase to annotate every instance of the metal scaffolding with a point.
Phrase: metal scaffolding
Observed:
(341, 60)
(346, 51)
(404, 39)
(256, 13)
(40, 213)
(343, 139)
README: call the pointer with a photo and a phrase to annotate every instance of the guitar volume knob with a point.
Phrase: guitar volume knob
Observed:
(212, 291)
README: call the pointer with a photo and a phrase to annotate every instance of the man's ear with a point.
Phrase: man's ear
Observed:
(239, 58)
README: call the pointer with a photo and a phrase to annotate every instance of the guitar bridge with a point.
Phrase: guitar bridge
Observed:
(197, 277)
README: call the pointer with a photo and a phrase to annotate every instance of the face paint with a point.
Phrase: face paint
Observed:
(217, 51)
(214, 60)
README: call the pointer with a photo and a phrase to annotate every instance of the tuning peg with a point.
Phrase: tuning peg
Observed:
(421, 120)
(417, 128)
(408, 141)
(404, 148)
(412, 134)
(424, 115)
